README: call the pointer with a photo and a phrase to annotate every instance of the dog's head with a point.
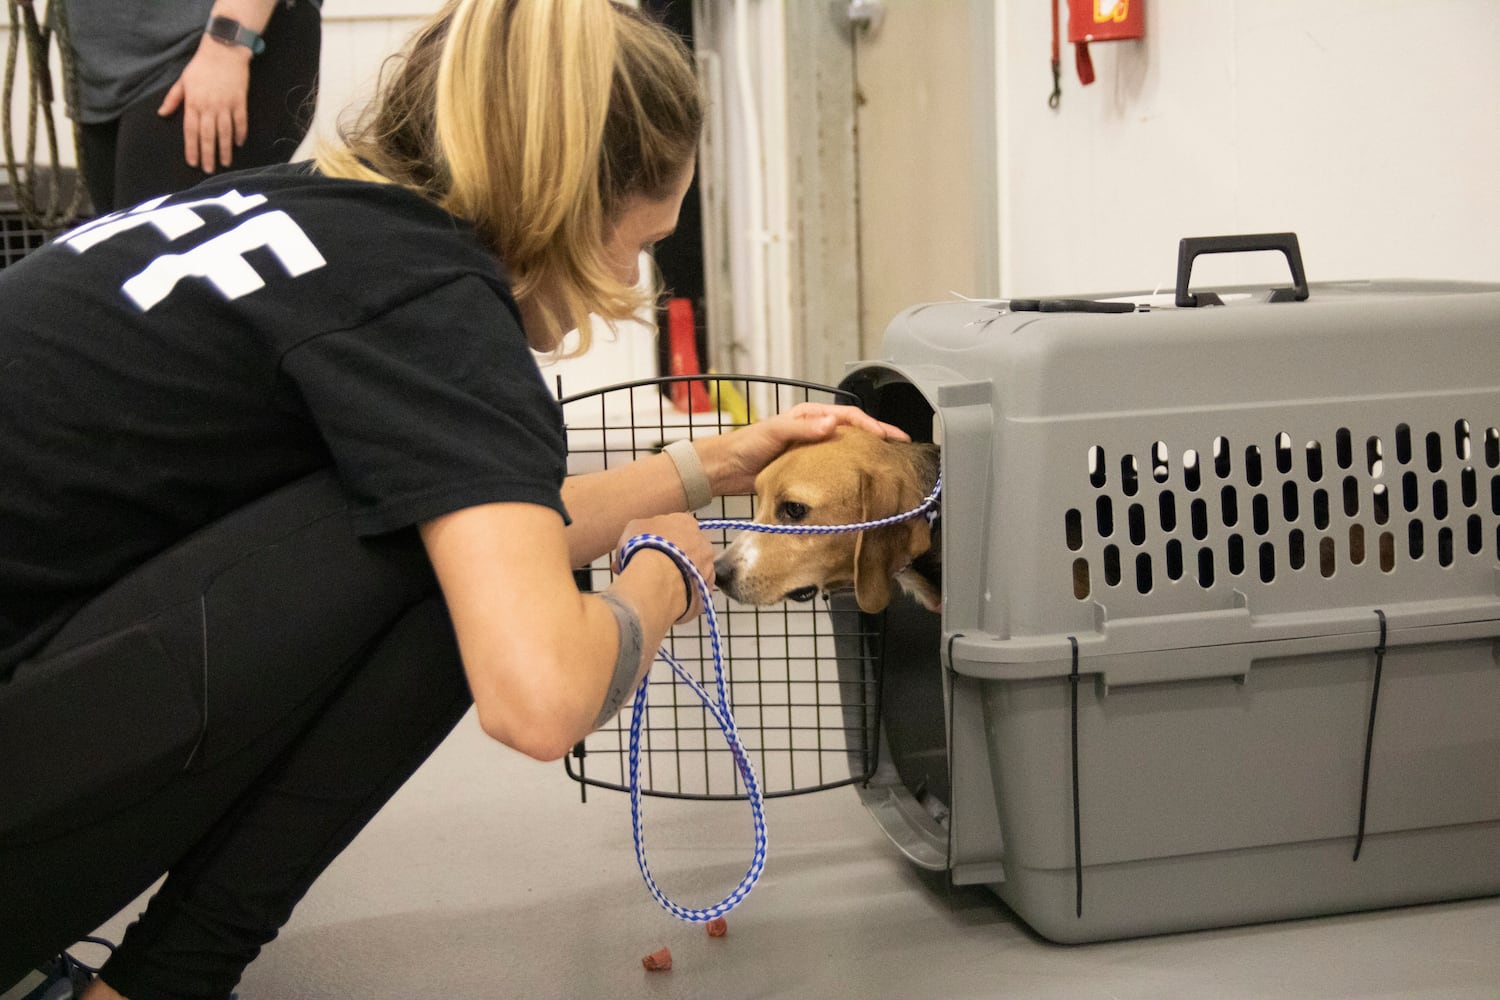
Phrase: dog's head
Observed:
(853, 477)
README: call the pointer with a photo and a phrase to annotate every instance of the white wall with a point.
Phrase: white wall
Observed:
(358, 35)
(1369, 127)
(747, 157)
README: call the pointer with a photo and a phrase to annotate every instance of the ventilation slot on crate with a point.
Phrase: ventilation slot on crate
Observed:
(1239, 513)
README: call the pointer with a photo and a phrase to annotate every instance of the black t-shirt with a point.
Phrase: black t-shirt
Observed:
(163, 366)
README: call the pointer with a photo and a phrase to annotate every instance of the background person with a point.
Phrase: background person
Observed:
(163, 103)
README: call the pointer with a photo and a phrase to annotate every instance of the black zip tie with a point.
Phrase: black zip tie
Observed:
(579, 753)
(1077, 820)
(1364, 786)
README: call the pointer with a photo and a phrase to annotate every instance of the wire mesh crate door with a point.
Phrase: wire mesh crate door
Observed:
(805, 718)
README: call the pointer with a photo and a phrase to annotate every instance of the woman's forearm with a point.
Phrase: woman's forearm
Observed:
(601, 503)
(540, 657)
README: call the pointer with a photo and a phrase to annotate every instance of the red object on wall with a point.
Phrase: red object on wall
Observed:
(1102, 21)
(682, 342)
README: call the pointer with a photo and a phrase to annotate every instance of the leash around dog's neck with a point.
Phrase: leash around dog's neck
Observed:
(928, 506)
(718, 706)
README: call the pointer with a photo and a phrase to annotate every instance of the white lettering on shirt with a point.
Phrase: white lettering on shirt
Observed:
(172, 221)
(222, 263)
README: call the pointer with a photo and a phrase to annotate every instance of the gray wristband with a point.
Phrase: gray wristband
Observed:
(627, 660)
(690, 471)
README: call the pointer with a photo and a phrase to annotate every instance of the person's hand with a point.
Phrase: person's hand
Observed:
(212, 94)
(682, 531)
(736, 458)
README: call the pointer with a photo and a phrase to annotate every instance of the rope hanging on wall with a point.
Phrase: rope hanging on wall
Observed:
(24, 178)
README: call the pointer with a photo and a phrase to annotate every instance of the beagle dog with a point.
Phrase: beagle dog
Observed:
(852, 477)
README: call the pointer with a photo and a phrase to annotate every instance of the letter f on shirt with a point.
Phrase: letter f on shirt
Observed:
(221, 260)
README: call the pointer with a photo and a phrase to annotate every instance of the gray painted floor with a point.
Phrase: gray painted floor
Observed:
(486, 877)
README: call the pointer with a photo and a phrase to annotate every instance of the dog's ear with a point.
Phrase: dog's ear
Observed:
(880, 553)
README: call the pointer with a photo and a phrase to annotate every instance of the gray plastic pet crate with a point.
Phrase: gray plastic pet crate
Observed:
(1221, 602)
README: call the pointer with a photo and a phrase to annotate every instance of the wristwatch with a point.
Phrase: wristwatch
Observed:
(231, 32)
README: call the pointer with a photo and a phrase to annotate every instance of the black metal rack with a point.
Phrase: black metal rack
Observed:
(806, 708)
(21, 234)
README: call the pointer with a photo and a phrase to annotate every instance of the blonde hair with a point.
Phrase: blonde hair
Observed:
(536, 121)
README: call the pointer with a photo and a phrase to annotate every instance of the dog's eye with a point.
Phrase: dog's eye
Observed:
(791, 510)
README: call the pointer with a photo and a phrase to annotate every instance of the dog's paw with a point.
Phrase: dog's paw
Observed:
(923, 592)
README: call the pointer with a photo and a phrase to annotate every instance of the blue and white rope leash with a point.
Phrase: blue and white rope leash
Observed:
(928, 506)
(719, 709)
(718, 705)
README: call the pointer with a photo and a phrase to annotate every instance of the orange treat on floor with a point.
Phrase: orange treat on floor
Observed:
(658, 961)
(717, 927)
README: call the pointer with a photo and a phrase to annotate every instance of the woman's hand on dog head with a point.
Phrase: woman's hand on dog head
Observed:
(733, 460)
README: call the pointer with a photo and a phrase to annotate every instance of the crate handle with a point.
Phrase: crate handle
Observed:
(1190, 247)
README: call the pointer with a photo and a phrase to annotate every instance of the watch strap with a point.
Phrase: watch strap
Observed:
(231, 32)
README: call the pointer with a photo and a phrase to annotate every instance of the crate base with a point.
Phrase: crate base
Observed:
(1257, 885)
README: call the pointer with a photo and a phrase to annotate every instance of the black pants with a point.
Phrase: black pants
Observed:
(140, 154)
(232, 713)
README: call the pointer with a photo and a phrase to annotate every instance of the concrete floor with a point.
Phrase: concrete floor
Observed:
(487, 877)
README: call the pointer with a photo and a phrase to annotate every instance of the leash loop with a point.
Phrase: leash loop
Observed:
(718, 707)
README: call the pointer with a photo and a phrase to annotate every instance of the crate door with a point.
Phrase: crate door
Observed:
(802, 678)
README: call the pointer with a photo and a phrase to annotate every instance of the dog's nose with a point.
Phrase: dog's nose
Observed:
(724, 574)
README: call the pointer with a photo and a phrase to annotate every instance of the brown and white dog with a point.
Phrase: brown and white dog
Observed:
(853, 477)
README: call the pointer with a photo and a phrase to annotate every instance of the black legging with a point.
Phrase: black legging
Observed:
(140, 154)
(232, 713)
